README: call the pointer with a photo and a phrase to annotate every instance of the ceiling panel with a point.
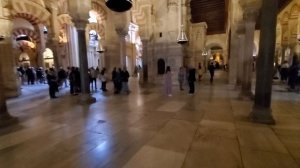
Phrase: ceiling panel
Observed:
(214, 13)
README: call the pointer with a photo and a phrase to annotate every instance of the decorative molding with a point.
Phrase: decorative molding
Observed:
(24, 31)
(64, 19)
(30, 11)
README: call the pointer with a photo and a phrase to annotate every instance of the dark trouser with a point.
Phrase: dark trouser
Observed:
(52, 90)
(93, 81)
(192, 87)
(103, 86)
(71, 87)
(181, 85)
(211, 77)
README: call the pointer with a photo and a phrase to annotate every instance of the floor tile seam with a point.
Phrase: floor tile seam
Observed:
(237, 137)
(285, 146)
(30, 138)
(189, 148)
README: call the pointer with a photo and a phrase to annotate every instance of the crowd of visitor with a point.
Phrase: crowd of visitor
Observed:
(290, 74)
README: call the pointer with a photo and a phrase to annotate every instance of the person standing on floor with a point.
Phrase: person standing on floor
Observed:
(93, 78)
(103, 78)
(52, 82)
(211, 69)
(125, 78)
(192, 79)
(181, 77)
(168, 81)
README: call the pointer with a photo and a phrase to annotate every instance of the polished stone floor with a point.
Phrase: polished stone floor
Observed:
(149, 130)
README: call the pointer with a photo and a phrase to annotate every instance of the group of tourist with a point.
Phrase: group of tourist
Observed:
(31, 75)
(119, 78)
(58, 78)
(187, 75)
(290, 74)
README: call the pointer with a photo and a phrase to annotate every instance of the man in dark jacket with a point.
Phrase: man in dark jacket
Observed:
(211, 69)
(52, 82)
(125, 77)
(191, 80)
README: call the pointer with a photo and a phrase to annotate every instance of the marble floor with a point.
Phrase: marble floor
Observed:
(149, 130)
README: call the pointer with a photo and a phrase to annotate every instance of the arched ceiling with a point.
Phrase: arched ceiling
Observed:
(214, 13)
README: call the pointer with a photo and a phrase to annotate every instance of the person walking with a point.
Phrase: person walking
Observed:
(191, 80)
(103, 78)
(125, 78)
(168, 81)
(211, 69)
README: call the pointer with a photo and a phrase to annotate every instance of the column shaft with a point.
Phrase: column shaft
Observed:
(241, 57)
(248, 59)
(85, 87)
(262, 105)
(122, 51)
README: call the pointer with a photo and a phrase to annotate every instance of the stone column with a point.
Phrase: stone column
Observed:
(11, 83)
(54, 35)
(82, 48)
(41, 46)
(72, 45)
(241, 53)
(123, 46)
(262, 111)
(5, 117)
(234, 54)
(249, 21)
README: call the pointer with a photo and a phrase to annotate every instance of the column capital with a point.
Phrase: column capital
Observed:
(251, 9)
(172, 3)
(80, 24)
(250, 14)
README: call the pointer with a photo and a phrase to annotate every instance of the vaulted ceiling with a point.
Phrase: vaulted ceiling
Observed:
(214, 13)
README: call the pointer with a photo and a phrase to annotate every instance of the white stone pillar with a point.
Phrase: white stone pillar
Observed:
(73, 45)
(249, 21)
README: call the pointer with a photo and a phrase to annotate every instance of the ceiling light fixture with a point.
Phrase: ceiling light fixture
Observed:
(119, 5)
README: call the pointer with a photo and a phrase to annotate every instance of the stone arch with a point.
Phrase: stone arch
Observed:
(31, 11)
(100, 10)
(294, 11)
(209, 46)
(25, 31)
(285, 17)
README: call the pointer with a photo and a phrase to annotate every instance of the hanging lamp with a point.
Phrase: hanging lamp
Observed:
(119, 5)
(182, 38)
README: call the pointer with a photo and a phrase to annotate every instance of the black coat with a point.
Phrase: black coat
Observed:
(192, 75)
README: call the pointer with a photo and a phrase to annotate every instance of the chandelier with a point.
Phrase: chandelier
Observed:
(119, 5)
(182, 38)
